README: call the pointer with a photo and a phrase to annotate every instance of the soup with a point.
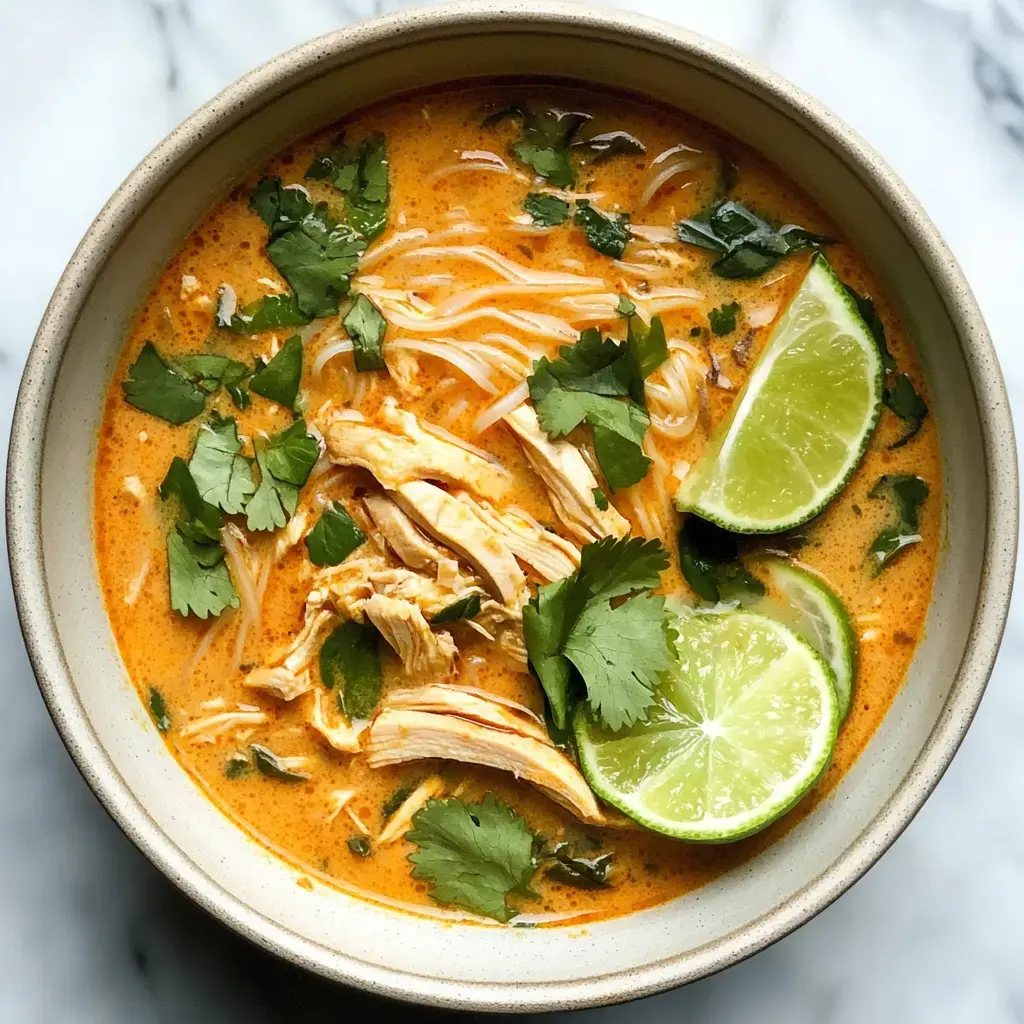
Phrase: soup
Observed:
(387, 504)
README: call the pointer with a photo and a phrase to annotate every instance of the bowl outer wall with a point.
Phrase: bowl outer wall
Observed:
(232, 107)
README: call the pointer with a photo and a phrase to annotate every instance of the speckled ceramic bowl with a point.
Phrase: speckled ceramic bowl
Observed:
(102, 720)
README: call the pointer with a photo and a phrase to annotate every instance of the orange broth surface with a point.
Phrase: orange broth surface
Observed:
(194, 664)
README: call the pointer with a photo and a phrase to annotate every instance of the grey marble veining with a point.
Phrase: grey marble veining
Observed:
(89, 932)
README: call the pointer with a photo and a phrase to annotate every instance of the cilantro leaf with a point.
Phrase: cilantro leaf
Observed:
(292, 454)
(473, 855)
(746, 244)
(568, 867)
(158, 709)
(545, 629)
(608, 233)
(210, 372)
(625, 306)
(269, 764)
(605, 145)
(359, 845)
(546, 210)
(869, 314)
(360, 172)
(647, 349)
(723, 321)
(395, 800)
(334, 537)
(463, 608)
(279, 380)
(199, 578)
(202, 521)
(268, 313)
(709, 560)
(349, 660)
(545, 139)
(222, 475)
(274, 501)
(154, 387)
(365, 325)
(600, 499)
(612, 567)
(902, 398)
(237, 766)
(907, 494)
(280, 207)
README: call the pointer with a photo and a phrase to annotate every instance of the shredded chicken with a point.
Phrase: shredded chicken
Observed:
(424, 653)
(337, 801)
(401, 533)
(341, 735)
(212, 728)
(407, 453)
(290, 535)
(290, 677)
(568, 479)
(397, 735)
(452, 523)
(473, 704)
(401, 821)
(427, 594)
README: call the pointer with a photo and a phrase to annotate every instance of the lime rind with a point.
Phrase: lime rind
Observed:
(821, 618)
(806, 435)
(697, 761)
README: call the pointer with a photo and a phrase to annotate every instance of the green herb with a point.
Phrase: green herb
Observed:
(274, 501)
(625, 306)
(154, 387)
(723, 321)
(463, 608)
(365, 325)
(569, 868)
(269, 764)
(545, 139)
(292, 454)
(617, 651)
(608, 233)
(359, 845)
(907, 493)
(600, 499)
(334, 537)
(237, 766)
(267, 314)
(869, 314)
(360, 172)
(709, 559)
(397, 798)
(279, 380)
(209, 372)
(473, 856)
(546, 210)
(312, 253)
(747, 245)
(349, 660)
(201, 521)
(608, 144)
(158, 709)
(584, 383)
(222, 474)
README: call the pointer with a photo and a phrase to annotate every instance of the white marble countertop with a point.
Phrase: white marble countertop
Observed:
(89, 932)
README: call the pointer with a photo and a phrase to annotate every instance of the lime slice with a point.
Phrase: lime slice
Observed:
(801, 423)
(741, 728)
(812, 608)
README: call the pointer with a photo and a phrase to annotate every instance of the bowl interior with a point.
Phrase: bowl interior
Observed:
(163, 809)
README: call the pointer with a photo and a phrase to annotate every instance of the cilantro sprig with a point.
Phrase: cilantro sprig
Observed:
(156, 388)
(608, 233)
(710, 563)
(349, 660)
(279, 379)
(222, 474)
(285, 462)
(360, 172)
(365, 325)
(334, 537)
(907, 493)
(580, 643)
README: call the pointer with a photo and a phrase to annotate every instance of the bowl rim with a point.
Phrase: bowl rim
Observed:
(234, 104)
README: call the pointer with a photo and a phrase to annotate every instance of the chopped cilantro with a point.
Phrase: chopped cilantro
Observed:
(747, 245)
(365, 325)
(334, 537)
(349, 660)
(268, 313)
(545, 139)
(210, 372)
(285, 463)
(279, 380)
(473, 856)
(222, 474)
(359, 845)
(605, 145)
(547, 211)
(625, 306)
(600, 499)
(237, 765)
(907, 494)
(292, 454)
(616, 651)
(158, 709)
(608, 233)
(709, 559)
(397, 798)
(359, 171)
(869, 314)
(269, 764)
(723, 320)
(154, 387)
(567, 867)
(463, 608)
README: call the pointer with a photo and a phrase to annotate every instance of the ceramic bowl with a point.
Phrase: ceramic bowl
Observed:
(100, 716)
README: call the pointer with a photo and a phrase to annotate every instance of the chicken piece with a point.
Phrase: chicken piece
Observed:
(413, 454)
(402, 535)
(452, 523)
(214, 727)
(290, 677)
(401, 821)
(568, 479)
(473, 704)
(425, 654)
(290, 535)
(551, 557)
(427, 594)
(397, 735)
(341, 735)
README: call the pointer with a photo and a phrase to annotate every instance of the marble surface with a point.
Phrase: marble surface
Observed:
(89, 932)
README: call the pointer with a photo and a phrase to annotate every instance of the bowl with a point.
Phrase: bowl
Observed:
(100, 716)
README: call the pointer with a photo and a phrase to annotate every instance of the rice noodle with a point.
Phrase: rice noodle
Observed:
(654, 233)
(389, 246)
(640, 513)
(568, 195)
(476, 160)
(515, 344)
(447, 435)
(476, 370)
(454, 411)
(662, 177)
(493, 260)
(204, 645)
(432, 281)
(501, 408)
(673, 404)
(644, 270)
(539, 325)
(131, 595)
(248, 591)
(500, 360)
(328, 352)
(464, 299)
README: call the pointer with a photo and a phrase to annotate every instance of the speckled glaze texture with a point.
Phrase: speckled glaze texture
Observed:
(491, 969)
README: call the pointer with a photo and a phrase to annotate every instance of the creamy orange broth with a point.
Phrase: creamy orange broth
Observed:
(425, 133)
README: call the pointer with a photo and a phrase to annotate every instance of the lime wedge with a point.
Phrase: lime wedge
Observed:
(809, 606)
(801, 423)
(741, 728)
